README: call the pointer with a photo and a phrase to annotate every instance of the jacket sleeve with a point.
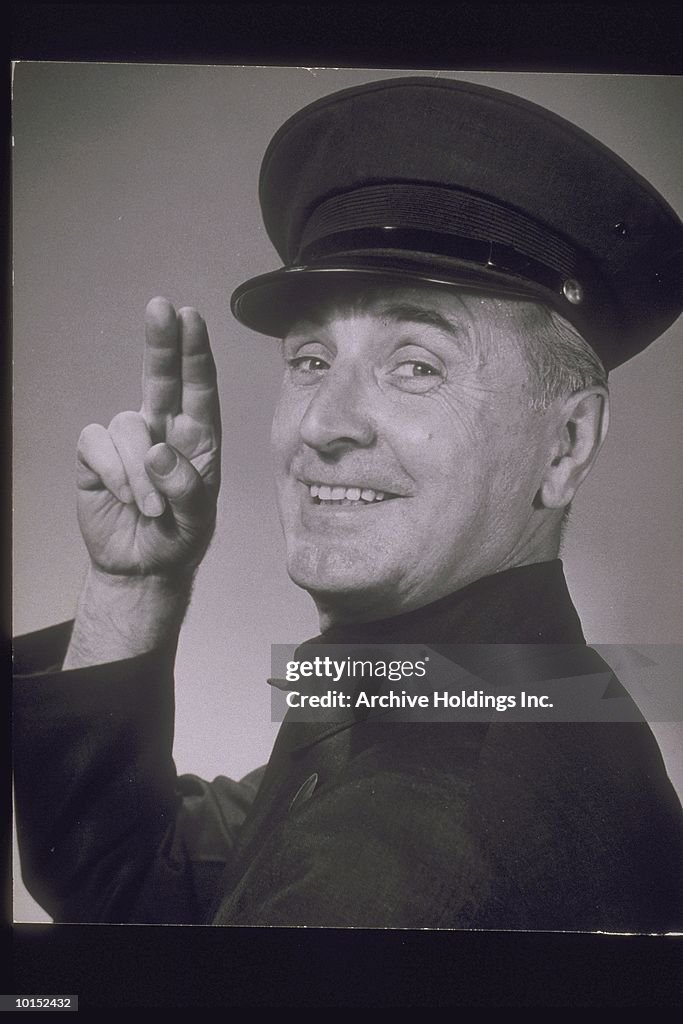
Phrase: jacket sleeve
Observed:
(107, 830)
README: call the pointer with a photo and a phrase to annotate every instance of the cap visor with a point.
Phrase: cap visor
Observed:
(271, 303)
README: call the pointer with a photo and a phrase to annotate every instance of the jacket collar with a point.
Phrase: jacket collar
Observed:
(528, 604)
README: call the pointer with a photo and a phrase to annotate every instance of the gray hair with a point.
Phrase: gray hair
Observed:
(560, 361)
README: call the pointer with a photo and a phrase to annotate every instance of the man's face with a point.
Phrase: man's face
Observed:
(407, 456)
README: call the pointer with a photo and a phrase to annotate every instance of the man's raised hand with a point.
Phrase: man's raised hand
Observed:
(147, 484)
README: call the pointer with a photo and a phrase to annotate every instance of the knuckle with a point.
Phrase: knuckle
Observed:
(125, 421)
(88, 434)
(91, 440)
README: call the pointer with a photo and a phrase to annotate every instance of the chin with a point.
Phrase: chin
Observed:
(323, 571)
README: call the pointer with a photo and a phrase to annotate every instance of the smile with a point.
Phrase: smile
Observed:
(324, 494)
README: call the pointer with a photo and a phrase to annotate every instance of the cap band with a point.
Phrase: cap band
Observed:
(493, 255)
(433, 212)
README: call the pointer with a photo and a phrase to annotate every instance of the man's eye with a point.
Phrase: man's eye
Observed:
(414, 368)
(417, 376)
(307, 364)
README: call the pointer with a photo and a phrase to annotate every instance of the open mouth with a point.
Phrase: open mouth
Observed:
(322, 494)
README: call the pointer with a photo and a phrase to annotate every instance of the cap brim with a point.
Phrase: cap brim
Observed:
(272, 302)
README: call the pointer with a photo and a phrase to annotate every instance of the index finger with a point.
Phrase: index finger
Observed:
(161, 380)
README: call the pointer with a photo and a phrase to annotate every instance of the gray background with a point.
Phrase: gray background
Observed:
(132, 181)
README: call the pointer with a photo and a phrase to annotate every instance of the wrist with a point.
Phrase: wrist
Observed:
(122, 617)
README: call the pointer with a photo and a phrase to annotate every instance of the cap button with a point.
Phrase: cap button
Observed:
(572, 291)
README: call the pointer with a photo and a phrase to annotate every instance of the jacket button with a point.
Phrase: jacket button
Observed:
(304, 792)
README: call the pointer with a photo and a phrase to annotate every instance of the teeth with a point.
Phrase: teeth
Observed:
(325, 493)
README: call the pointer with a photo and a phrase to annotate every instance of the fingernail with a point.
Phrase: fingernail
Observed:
(163, 460)
(153, 505)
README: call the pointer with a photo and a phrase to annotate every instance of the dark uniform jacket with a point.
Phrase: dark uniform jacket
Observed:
(360, 822)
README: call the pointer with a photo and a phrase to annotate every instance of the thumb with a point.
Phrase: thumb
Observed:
(175, 477)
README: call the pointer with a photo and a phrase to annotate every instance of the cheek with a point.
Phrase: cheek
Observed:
(284, 427)
(449, 445)
(473, 461)
(516, 465)
(457, 428)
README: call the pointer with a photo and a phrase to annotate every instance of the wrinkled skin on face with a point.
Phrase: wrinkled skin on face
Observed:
(419, 395)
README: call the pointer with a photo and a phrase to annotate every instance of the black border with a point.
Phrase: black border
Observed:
(168, 966)
(581, 36)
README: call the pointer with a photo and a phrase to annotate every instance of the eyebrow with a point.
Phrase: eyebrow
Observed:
(398, 312)
(406, 312)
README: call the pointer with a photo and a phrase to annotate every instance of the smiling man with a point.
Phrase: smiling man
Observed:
(411, 458)
(461, 269)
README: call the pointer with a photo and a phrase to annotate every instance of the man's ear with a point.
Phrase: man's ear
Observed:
(582, 422)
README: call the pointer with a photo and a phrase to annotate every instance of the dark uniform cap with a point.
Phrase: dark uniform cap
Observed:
(429, 180)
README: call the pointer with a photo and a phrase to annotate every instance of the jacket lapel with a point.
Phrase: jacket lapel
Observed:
(516, 618)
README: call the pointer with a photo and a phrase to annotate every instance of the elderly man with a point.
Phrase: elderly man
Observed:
(461, 269)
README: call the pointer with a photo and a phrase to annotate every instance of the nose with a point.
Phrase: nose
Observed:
(339, 413)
